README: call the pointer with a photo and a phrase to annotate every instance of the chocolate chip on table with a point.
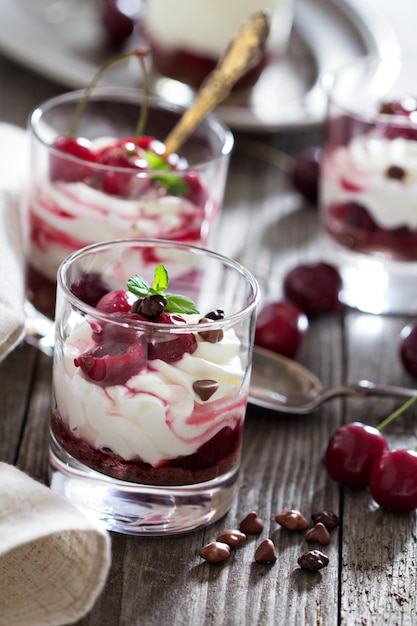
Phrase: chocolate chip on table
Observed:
(292, 519)
(215, 552)
(265, 552)
(251, 524)
(313, 560)
(213, 335)
(328, 518)
(232, 536)
(318, 533)
(205, 388)
(396, 172)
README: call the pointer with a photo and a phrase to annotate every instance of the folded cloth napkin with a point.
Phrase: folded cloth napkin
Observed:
(13, 175)
(53, 560)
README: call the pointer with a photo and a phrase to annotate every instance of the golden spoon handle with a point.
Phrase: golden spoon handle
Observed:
(243, 53)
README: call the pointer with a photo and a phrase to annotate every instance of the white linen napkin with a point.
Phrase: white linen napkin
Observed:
(14, 158)
(53, 561)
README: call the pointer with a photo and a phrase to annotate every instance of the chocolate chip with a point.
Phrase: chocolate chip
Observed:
(213, 335)
(150, 307)
(218, 314)
(233, 537)
(292, 519)
(251, 524)
(313, 560)
(318, 533)
(328, 518)
(205, 388)
(265, 552)
(215, 552)
(395, 171)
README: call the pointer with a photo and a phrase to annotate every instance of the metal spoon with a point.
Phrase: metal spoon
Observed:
(281, 384)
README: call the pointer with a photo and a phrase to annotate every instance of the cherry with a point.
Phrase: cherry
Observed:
(170, 347)
(71, 170)
(351, 452)
(393, 480)
(89, 288)
(125, 153)
(314, 287)
(408, 348)
(112, 363)
(116, 300)
(120, 18)
(306, 172)
(281, 326)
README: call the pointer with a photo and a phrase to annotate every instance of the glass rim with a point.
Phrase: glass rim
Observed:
(100, 93)
(227, 321)
(330, 77)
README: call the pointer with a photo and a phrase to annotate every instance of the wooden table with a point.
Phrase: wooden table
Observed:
(371, 577)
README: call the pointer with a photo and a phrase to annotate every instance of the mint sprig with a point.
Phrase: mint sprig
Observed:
(173, 183)
(175, 303)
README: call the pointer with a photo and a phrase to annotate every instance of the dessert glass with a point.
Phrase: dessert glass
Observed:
(187, 44)
(148, 416)
(368, 197)
(73, 202)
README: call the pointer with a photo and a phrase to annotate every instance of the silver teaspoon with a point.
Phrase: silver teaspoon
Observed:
(281, 384)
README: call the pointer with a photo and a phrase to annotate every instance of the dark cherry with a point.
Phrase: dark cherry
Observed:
(112, 363)
(306, 172)
(351, 452)
(408, 348)
(120, 18)
(354, 215)
(68, 170)
(393, 480)
(89, 288)
(281, 326)
(314, 287)
(170, 347)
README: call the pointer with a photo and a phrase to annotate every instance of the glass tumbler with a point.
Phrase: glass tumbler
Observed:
(105, 183)
(368, 203)
(149, 404)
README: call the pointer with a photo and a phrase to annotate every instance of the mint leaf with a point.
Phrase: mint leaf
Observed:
(172, 183)
(137, 285)
(175, 302)
(161, 280)
(179, 304)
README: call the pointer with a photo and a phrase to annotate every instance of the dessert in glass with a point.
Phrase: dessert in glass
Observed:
(369, 182)
(188, 42)
(101, 181)
(151, 373)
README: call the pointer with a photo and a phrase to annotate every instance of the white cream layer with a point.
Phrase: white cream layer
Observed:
(206, 27)
(363, 164)
(156, 415)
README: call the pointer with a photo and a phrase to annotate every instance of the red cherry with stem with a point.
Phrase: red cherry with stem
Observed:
(351, 452)
(70, 169)
(393, 480)
(314, 287)
(354, 447)
(281, 326)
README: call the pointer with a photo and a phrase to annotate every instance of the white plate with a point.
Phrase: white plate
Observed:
(65, 41)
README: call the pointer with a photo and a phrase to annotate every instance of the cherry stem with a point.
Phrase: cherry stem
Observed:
(140, 53)
(396, 413)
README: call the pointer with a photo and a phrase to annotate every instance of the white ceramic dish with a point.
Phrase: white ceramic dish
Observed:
(65, 41)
